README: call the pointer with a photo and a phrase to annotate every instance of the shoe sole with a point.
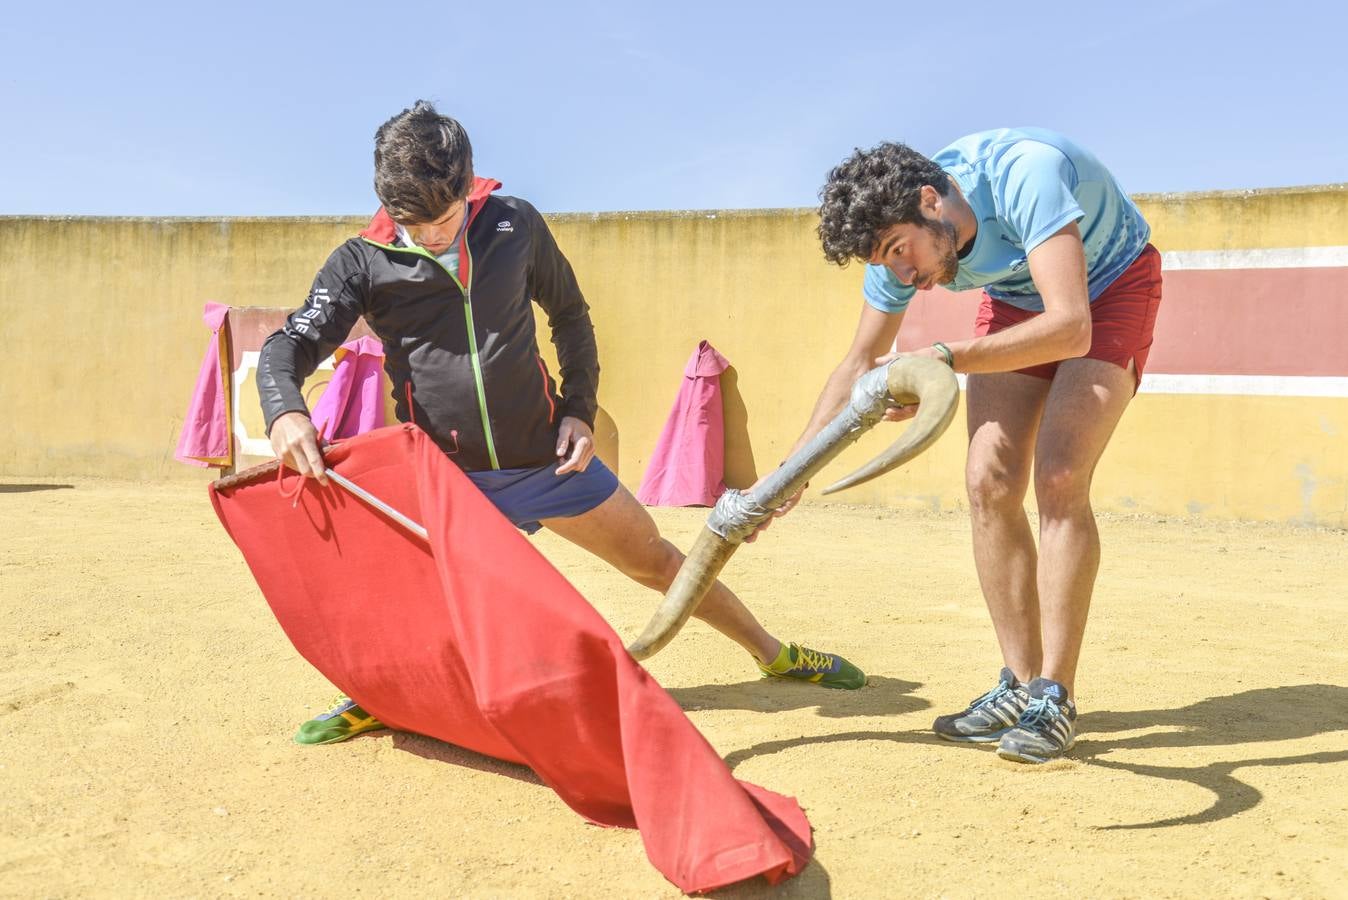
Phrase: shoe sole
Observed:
(1032, 759)
(339, 738)
(971, 738)
(823, 684)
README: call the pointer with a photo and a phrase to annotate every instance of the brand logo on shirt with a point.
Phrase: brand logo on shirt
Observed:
(1019, 264)
(301, 322)
(504, 225)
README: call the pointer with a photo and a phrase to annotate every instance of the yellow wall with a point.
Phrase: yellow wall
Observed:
(100, 319)
(1243, 220)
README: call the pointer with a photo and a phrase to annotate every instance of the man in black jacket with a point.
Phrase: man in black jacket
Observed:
(444, 275)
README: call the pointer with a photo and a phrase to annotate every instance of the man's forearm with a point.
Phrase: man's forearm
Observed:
(1043, 339)
(280, 375)
(1062, 331)
(578, 365)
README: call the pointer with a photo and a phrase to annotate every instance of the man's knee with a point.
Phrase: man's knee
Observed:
(1061, 488)
(992, 488)
(655, 564)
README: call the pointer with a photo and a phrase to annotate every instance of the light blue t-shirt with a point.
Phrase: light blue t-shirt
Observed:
(1025, 184)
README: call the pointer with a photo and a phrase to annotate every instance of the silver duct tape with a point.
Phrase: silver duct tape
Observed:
(870, 396)
(738, 513)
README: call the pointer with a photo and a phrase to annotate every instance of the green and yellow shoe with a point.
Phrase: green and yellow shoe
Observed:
(825, 669)
(345, 720)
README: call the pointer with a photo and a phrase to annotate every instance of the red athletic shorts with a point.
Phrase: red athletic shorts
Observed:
(1122, 318)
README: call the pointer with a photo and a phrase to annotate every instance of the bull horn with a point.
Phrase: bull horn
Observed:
(698, 573)
(737, 514)
(912, 379)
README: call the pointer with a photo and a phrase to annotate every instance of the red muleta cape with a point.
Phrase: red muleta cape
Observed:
(478, 641)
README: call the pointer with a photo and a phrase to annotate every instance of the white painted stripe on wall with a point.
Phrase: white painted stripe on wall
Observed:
(1236, 385)
(1247, 385)
(1260, 258)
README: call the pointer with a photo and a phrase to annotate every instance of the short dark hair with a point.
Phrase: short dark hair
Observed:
(870, 191)
(423, 163)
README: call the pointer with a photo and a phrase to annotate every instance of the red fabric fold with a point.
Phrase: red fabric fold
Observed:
(477, 640)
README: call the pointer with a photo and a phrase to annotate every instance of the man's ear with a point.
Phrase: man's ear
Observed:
(931, 202)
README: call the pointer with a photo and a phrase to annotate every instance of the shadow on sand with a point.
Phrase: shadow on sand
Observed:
(1251, 717)
(880, 697)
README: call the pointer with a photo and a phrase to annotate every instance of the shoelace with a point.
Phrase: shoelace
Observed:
(1001, 688)
(1039, 714)
(336, 706)
(813, 660)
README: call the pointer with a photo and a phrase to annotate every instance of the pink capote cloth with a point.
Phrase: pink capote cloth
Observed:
(476, 639)
(688, 465)
(205, 436)
(351, 404)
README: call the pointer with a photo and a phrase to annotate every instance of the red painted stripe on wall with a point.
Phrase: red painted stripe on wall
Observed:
(1211, 322)
(1253, 322)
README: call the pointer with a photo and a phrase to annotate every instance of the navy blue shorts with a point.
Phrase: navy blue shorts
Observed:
(526, 495)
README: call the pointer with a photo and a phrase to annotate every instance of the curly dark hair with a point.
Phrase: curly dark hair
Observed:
(870, 191)
(423, 163)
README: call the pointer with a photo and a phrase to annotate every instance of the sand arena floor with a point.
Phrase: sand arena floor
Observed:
(147, 700)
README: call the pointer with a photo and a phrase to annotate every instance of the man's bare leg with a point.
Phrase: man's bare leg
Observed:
(1003, 414)
(622, 533)
(1084, 405)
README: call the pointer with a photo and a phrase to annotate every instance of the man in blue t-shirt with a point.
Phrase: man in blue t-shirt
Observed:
(1071, 288)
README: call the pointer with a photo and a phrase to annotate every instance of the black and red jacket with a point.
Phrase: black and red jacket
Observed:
(463, 349)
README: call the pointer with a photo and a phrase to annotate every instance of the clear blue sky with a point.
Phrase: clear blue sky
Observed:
(252, 109)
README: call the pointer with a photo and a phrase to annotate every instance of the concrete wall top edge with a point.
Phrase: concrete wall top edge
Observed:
(1338, 187)
(315, 220)
(612, 215)
(581, 216)
(766, 212)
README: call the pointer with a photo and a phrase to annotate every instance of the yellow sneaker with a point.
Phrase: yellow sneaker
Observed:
(345, 720)
(825, 669)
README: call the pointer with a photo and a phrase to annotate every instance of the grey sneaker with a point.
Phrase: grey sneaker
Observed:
(1046, 730)
(990, 716)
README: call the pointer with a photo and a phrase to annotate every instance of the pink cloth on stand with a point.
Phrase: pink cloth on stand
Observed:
(205, 436)
(687, 467)
(351, 404)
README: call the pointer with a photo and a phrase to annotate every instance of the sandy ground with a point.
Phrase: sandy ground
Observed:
(147, 700)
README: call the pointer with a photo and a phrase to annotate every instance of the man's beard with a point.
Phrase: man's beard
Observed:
(946, 237)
